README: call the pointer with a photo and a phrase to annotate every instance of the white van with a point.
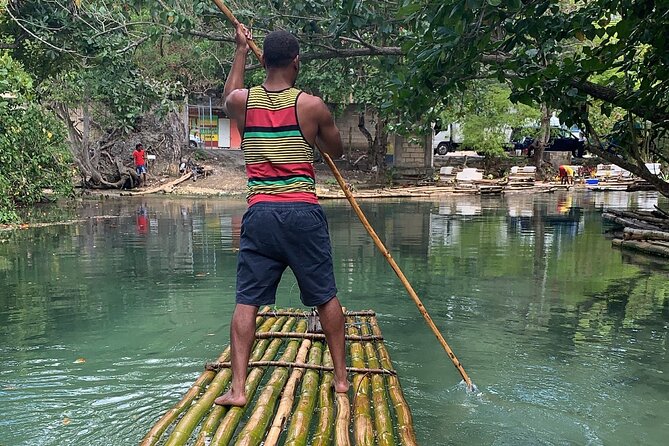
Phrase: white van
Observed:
(447, 140)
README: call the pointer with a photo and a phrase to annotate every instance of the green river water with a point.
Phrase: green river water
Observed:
(104, 324)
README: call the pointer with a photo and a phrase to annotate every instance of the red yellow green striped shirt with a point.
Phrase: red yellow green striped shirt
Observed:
(279, 161)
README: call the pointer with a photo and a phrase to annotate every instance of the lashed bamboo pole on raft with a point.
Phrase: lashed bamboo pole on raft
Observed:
(213, 419)
(186, 426)
(229, 424)
(363, 430)
(298, 429)
(342, 420)
(383, 421)
(307, 314)
(377, 241)
(216, 366)
(198, 386)
(343, 415)
(402, 413)
(326, 411)
(316, 336)
(287, 398)
(253, 432)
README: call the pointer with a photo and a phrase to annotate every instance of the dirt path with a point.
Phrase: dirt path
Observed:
(228, 177)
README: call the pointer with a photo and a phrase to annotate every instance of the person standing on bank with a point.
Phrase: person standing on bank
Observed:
(284, 226)
(139, 155)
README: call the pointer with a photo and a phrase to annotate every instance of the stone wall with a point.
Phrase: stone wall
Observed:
(409, 155)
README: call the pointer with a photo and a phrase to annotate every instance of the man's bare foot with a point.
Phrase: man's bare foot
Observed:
(341, 386)
(229, 399)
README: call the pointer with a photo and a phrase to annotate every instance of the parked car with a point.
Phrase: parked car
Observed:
(561, 140)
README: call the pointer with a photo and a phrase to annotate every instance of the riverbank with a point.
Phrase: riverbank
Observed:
(226, 176)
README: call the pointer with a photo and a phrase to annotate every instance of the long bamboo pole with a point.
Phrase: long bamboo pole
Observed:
(326, 412)
(402, 412)
(377, 241)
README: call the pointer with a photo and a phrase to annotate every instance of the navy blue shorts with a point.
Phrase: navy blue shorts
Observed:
(279, 235)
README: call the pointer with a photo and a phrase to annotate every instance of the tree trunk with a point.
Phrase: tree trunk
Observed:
(376, 145)
(639, 168)
(542, 139)
(103, 156)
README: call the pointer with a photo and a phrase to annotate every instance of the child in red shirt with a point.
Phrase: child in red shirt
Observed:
(140, 164)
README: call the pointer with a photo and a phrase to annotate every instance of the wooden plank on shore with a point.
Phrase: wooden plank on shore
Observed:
(164, 188)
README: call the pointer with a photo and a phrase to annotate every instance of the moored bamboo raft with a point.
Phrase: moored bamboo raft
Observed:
(291, 398)
(646, 232)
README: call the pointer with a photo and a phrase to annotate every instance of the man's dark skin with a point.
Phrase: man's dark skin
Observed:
(317, 125)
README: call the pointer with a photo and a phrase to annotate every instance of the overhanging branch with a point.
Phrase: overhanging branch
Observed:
(214, 37)
(613, 96)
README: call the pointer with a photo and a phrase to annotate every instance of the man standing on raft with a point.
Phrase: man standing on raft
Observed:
(284, 225)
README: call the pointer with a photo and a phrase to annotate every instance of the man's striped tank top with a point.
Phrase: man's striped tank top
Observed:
(279, 161)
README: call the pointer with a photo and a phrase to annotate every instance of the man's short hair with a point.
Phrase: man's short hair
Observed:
(280, 48)
(138, 145)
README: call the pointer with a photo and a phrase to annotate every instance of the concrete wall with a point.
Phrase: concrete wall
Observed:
(347, 122)
(411, 155)
(557, 158)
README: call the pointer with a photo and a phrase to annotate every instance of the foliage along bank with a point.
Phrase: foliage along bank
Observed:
(33, 150)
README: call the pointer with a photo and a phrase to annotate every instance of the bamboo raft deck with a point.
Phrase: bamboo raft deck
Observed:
(291, 398)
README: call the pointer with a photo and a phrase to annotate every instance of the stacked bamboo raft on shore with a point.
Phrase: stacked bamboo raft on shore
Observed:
(291, 398)
(646, 232)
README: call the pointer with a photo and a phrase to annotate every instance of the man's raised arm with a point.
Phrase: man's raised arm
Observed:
(328, 138)
(233, 92)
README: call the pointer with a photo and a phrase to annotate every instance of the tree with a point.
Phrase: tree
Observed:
(33, 152)
(487, 116)
(571, 56)
(349, 50)
(81, 56)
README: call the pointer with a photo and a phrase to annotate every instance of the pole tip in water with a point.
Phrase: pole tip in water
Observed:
(471, 388)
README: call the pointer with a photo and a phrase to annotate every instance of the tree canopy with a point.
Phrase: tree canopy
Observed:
(581, 58)
(33, 153)
(588, 60)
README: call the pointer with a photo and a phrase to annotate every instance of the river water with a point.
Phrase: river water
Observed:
(105, 323)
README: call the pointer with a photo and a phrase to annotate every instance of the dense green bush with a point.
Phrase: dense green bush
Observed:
(33, 153)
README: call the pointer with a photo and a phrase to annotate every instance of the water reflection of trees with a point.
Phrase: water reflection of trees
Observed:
(622, 308)
(544, 250)
(87, 272)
